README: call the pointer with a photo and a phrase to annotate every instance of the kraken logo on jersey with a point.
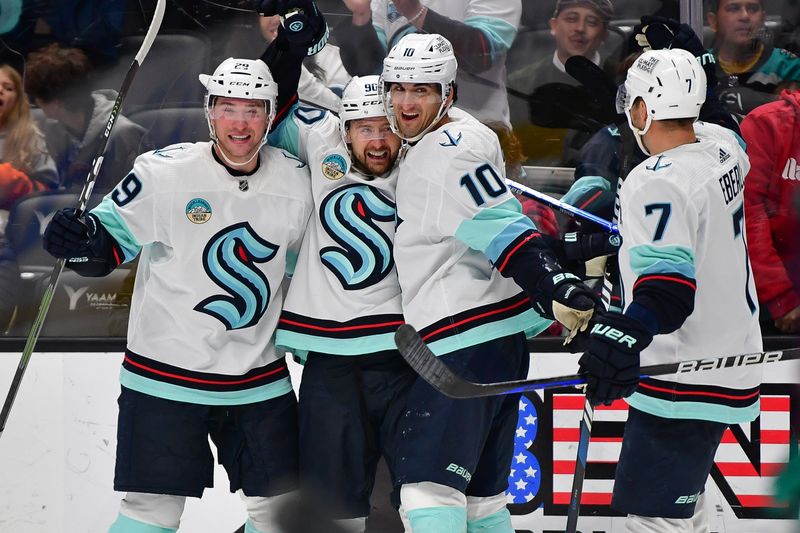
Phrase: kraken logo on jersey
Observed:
(229, 260)
(349, 215)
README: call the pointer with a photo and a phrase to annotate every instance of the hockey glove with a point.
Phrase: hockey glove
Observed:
(564, 298)
(611, 361)
(303, 25)
(658, 33)
(68, 236)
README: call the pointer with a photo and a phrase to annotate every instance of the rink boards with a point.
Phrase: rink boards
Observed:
(57, 455)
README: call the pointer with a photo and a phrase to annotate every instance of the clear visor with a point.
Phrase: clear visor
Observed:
(407, 93)
(369, 132)
(234, 112)
(623, 99)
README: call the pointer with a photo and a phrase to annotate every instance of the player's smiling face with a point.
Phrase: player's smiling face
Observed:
(415, 106)
(239, 125)
(373, 144)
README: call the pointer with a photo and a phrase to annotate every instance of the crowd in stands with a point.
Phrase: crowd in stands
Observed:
(61, 64)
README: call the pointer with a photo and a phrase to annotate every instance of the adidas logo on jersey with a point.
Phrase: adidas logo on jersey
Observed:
(723, 155)
(791, 171)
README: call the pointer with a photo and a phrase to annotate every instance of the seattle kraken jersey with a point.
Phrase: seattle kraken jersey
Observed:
(214, 250)
(682, 220)
(482, 94)
(455, 215)
(344, 298)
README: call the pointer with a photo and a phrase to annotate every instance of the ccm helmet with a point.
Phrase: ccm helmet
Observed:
(419, 58)
(361, 98)
(241, 78)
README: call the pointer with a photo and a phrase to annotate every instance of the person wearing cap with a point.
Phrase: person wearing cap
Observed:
(217, 226)
(688, 292)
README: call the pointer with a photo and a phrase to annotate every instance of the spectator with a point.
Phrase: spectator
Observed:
(551, 98)
(750, 70)
(56, 80)
(481, 32)
(322, 77)
(772, 133)
(25, 166)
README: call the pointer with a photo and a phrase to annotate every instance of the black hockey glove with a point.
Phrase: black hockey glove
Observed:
(561, 296)
(658, 33)
(303, 25)
(611, 360)
(68, 236)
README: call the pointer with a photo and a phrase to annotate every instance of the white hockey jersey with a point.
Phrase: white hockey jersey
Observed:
(482, 94)
(214, 253)
(344, 298)
(682, 213)
(456, 218)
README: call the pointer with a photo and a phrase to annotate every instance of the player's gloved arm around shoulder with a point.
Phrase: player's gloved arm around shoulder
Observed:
(84, 242)
(611, 359)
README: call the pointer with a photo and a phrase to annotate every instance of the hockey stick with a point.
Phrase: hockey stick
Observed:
(434, 371)
(593, 77)
(49, 292)
(561, 206)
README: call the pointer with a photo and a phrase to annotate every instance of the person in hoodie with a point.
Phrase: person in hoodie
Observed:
(56, 81)
(772, 133)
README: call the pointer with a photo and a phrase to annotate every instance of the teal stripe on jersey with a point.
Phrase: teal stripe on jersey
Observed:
(293, 341)
(695, 410)
(499, 32)
(584, 185)
(528, 321)
(169, 391)
(779, 67)
(649, 259)
(106, 211)
(124, 524)
(287, 134)
(492, 229)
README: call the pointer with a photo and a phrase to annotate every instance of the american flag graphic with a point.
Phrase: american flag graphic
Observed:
(747, 463)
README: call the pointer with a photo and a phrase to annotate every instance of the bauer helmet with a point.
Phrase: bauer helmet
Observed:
(672, 84)
(419, 58)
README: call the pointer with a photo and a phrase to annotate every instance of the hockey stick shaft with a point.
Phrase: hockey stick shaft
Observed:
(434, 371)
(561, 206)
(47, 298)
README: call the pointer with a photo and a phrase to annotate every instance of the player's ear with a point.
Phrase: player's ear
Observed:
(553, 23)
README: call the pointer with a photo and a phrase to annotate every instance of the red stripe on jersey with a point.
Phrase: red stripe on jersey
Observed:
(517, 247)
(205, 381)
(476, 317)
(340, 328)
(699, 393)
(664, 278)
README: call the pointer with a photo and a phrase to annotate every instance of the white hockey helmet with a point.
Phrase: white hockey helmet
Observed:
(361, 98)
(419, 58)
(672, 84)
(241, 78)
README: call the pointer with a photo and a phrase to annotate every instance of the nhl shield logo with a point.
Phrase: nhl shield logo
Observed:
(198, 211)
(334, 167)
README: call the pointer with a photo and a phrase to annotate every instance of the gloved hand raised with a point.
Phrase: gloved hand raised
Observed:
(303, 25)
(611, 360)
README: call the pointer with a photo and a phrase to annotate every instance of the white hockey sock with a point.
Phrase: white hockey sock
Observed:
(352, 525)
(162, 510)
(700, 518)
(488, 515)
(262, 511)
(434, 508)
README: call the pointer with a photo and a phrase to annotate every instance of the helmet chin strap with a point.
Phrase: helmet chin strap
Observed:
(639, 134)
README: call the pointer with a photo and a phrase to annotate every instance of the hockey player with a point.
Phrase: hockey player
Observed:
(460, 234)
(217, 225)
(688, 293)
(343, 305)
